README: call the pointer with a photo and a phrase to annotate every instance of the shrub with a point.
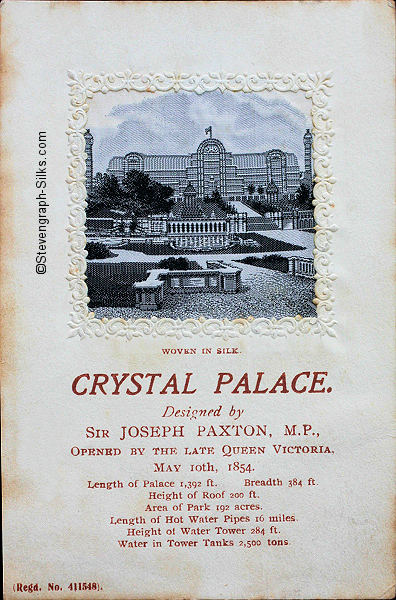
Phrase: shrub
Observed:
(175, 264)
(97, 250)
(272, 261)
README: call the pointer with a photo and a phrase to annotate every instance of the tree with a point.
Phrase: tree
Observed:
(304, 195)
(261, 207)
(216, 196)
(221, 203)
(98, 179)
(260, 190)
(251, 189)
(143, 196)
(137, 195)
(108, 194)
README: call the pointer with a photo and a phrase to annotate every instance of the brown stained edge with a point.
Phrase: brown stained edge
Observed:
(54, 3)
(9, 304)
(13, 489)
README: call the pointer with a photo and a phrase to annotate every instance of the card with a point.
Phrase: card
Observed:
(198, 300)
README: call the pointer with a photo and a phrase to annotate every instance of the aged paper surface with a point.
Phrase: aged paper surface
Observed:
(198, 308)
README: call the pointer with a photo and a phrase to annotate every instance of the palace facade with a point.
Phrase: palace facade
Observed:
(211, 167)
(195, 223)
(192, 223)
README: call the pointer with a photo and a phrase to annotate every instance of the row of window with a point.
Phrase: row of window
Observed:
(306, 267)
(201, 241)
(198, 227)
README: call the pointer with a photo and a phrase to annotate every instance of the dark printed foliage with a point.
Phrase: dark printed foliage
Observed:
(97, 250)
(175, 264)
(274, 261)
(137, 195)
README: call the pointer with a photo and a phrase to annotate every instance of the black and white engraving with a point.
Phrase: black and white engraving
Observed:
(200, 205)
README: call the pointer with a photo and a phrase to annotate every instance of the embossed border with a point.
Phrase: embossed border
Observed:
(316, 87)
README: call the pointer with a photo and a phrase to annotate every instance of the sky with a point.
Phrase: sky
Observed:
(175, 123)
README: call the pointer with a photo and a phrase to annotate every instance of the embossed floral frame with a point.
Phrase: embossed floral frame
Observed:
(83, 87)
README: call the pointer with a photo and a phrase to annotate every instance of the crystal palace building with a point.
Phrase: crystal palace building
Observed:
(195, 221)
(211, 167)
